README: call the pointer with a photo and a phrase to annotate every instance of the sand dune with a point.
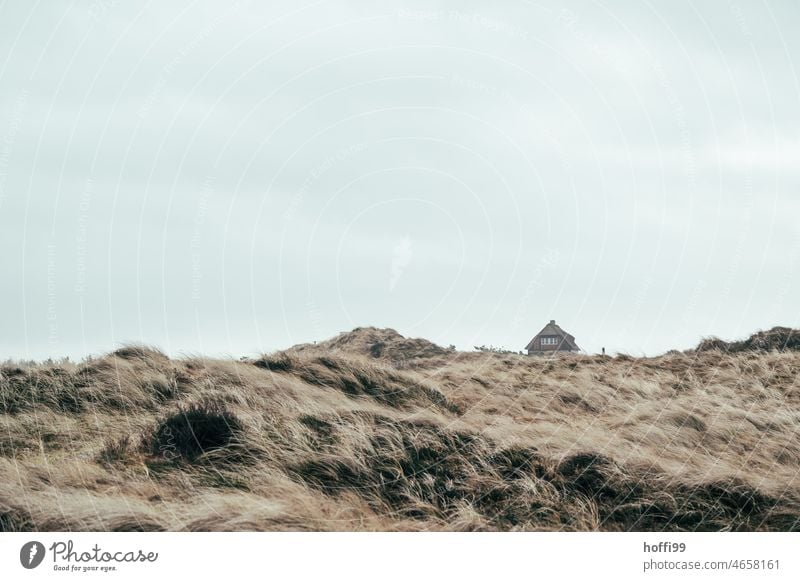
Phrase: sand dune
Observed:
(374, 431)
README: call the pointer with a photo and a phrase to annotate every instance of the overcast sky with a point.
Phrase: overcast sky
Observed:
(230, 178)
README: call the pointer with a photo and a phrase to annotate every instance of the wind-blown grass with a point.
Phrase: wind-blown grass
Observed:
(373, 431)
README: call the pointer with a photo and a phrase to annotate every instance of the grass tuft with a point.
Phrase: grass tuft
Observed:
(195, 430)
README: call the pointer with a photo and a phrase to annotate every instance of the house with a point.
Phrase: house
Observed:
(551, 339)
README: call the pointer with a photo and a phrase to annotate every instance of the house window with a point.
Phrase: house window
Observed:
(549, 340)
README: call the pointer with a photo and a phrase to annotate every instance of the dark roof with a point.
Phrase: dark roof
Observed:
(551, 329)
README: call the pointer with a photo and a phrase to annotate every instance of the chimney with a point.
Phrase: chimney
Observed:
(552, 321)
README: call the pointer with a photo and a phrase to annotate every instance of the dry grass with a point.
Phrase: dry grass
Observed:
(372, 431)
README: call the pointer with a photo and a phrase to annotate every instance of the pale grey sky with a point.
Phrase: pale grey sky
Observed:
(235, 178)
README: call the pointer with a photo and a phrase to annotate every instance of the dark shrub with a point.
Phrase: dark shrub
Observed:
(279, 362)
(595, 476)
(713, 344)
(376, 349)
(12, 521)
(194, 430)
(776, 339)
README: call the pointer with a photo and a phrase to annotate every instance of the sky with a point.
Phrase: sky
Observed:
(232, 178)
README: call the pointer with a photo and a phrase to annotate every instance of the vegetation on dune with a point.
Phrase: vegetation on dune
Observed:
(374, 431)
(189, 433)
(776, 339)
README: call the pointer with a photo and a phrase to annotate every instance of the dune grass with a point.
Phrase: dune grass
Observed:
(373, 431)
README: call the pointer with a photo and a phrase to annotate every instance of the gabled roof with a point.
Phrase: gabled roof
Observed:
(552, 329)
